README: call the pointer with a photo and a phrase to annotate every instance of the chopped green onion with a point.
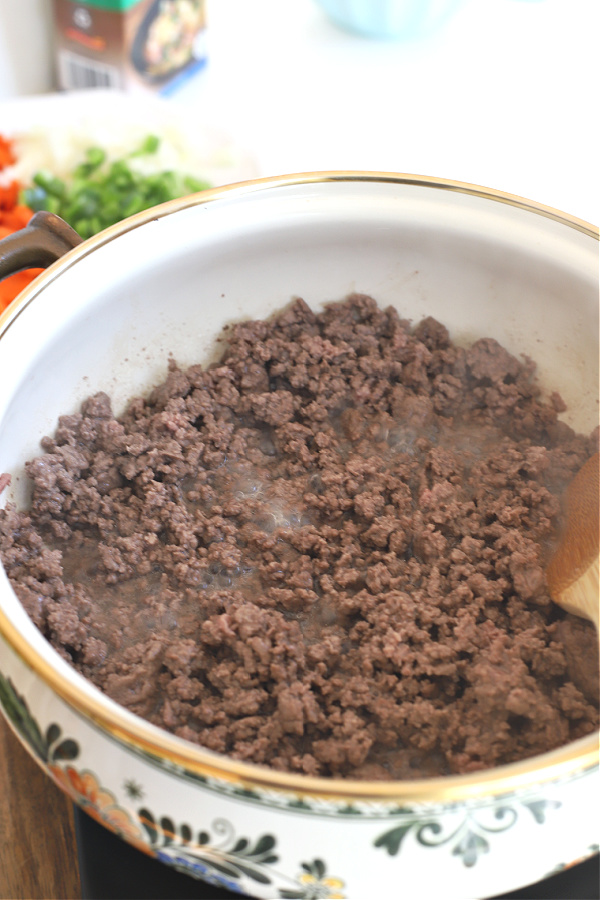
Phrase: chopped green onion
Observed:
(52, 205)
(49, 183)
(95, 156)
(150, 145)
(34, 197)
(99, 193)
(193, 185)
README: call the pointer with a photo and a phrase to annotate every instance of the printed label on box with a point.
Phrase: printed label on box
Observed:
(129, 44)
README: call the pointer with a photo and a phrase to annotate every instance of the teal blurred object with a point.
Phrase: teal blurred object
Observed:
(398, 19)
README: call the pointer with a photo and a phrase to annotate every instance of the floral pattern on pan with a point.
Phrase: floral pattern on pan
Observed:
(471, 837)
(222, 855)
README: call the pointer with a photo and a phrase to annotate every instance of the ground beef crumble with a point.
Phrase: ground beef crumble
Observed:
(324, 553)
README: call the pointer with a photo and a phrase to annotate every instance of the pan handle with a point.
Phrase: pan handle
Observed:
(44, 240)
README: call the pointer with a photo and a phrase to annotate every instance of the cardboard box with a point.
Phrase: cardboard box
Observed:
(129, 44)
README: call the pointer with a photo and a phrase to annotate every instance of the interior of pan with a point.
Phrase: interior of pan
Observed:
(110, 315)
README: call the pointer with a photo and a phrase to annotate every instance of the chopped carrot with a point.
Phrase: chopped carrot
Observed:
(14, 284)
(7, 157)
(13, 216)
(16, 218)
(9, 195)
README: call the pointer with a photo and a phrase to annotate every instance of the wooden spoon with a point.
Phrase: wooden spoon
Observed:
(572, 574)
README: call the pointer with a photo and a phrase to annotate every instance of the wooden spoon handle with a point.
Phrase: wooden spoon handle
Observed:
(572, 574)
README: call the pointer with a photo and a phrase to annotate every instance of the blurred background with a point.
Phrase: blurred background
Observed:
(502, 93)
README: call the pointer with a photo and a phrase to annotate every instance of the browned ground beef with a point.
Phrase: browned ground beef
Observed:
(324, 553)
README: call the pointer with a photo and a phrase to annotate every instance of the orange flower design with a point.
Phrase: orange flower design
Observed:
(99, 803)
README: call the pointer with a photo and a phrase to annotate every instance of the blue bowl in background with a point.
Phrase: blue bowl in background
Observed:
(398, 19)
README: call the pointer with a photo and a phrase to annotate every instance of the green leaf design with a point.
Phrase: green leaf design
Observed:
(254, 874)
(429, 830)
(169, 830)
(470, 847)
(66, 750)
(299, 804)
(392, 840)
(264, 845)
(149, 824)
(247, 793)
(233, 858)
(18, 713)
(507, 815)
(53, 733)
(240, 846)
(468, 839)
(539, 808)
(318, 868)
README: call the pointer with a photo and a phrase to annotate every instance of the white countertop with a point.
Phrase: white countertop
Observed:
(505, 95)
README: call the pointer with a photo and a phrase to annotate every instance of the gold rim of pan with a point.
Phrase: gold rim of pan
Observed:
(563, 763)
